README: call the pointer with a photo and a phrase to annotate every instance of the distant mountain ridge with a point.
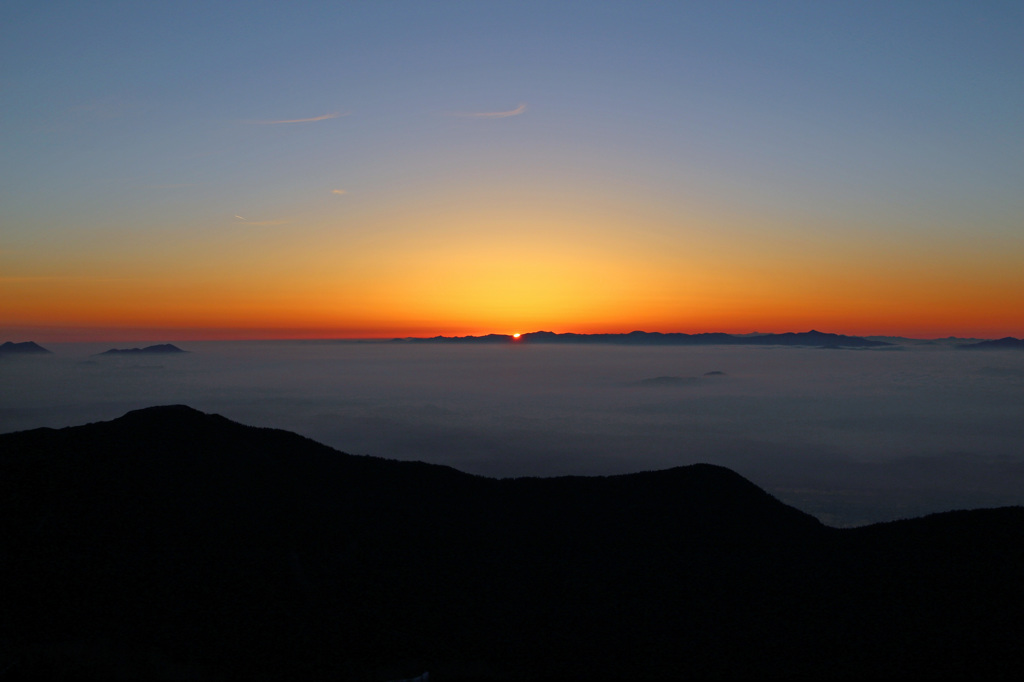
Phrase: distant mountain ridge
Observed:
(172, 543)
(641, 338)
(1006, 343)
(159, 349)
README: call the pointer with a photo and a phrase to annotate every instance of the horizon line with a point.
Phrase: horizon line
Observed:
(44, 334)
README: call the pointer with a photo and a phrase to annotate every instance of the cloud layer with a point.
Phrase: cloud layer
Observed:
(314, 119)
(262, 223)
(851, 436)
(491, 114)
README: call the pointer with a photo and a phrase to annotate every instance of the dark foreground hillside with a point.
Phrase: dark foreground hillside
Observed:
(170, 543)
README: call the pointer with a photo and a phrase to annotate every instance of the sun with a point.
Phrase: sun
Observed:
(516, 335)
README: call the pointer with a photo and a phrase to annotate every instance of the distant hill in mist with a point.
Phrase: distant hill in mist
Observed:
(23, 348)
(640, 338)
(159, 349)
(1007, 343)
(172, 543)
(905, 341)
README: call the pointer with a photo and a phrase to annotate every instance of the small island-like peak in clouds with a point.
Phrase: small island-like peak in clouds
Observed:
(22, 348)
(158, 349)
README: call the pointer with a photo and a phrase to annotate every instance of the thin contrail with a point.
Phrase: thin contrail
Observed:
(491, 114)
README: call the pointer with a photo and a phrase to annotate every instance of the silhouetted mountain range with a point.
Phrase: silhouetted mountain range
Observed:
(179, 544)
(1007, 343)
(159, 349)
(639, 338)
(25, 347)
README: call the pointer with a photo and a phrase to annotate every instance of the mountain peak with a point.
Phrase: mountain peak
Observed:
(165, 412)
(25, 347)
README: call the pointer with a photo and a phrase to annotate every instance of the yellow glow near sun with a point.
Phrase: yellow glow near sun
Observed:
(515, 336)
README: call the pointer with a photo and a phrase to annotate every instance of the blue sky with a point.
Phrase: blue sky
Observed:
(842, 125)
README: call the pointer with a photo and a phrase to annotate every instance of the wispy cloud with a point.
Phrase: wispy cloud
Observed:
(338, 191)
(262, 223)
(61, 278)
(325, 117)
(491, 114)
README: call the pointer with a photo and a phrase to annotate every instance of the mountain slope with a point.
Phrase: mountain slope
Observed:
(170, 542)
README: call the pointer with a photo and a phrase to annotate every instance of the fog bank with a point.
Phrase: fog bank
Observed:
(852, 436)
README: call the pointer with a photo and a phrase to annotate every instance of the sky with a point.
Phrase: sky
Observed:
(179, 170)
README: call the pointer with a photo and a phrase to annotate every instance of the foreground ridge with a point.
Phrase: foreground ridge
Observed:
(169, 542)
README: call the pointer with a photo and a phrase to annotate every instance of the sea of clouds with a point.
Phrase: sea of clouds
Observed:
(851, 436)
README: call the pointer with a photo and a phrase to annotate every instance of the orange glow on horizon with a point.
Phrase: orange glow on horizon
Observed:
(469, 273)
(153, 333)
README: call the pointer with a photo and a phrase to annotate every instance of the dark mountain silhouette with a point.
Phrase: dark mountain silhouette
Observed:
(1007, 343)
(640, 338)
(159, 349)
(171, 543)
(812, 338)
(25, 347)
